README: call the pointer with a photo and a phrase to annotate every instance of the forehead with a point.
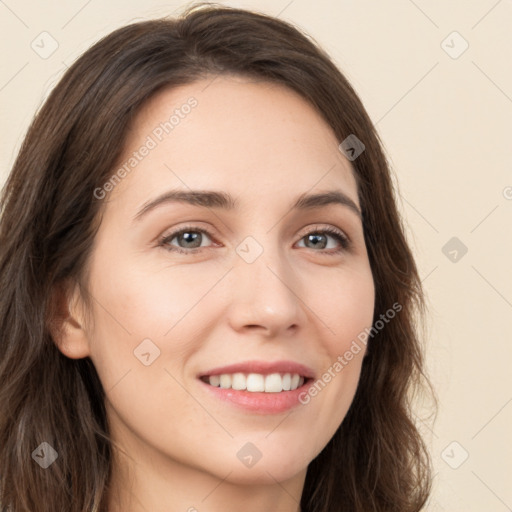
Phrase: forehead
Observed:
(253, 138)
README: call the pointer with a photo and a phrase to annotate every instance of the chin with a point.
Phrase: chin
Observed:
(271, 464)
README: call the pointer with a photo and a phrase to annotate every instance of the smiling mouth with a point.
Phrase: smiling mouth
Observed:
(256, 382)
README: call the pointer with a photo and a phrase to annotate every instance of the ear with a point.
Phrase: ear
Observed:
(66, 320)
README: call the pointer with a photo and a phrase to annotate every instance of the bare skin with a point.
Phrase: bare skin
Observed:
(207, 307)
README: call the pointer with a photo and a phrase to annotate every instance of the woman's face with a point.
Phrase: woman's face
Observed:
(252, 286)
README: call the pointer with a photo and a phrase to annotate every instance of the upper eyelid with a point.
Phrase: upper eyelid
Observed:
(184, 229)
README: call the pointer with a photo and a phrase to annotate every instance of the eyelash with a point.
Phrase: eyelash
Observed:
(343, 240)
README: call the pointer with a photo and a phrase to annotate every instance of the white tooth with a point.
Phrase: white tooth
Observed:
(255, 382)
(214, 380)
(238, 381)
(225, 380)
(273, 383)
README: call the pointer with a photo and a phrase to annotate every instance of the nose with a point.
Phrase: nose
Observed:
(266, 296)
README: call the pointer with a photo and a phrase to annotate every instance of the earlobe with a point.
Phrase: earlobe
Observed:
(65, 321)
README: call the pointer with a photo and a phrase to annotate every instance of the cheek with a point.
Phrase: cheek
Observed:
(159, 315)
(348, 308)
(141, 301)
(348, 305)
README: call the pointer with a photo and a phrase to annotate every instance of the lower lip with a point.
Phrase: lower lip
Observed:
(264, 403)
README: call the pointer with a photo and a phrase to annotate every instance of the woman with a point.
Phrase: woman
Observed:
(208, 298)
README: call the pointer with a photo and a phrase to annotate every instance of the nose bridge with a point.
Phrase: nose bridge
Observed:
(264, 286)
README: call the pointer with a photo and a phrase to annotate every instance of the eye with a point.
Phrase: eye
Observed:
(190, 236)
(190, 240)
(319, 239)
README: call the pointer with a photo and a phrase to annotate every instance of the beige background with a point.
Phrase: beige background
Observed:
(446, 124)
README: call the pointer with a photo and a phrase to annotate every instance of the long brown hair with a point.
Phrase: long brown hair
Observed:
(377, 460)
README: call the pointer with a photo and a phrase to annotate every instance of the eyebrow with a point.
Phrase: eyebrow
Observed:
(222, 200)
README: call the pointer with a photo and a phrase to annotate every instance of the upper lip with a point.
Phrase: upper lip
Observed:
(262, 367)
